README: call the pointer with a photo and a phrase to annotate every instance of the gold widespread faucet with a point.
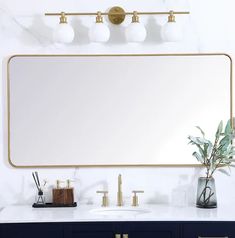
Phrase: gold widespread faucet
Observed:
(119, 193)
(105, 202)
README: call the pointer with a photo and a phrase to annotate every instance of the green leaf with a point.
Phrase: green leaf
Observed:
(208, 148)
(199, 128)
(202, 141)
(219, 130)
(224, 154)
(198, 157)
(201, 151)
(228, 129)
(192, 140)
(231, 153)
(225, 140)
(195, 140)
(226, 159)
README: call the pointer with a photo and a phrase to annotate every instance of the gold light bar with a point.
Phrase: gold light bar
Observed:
(116, 14)
(107, 13)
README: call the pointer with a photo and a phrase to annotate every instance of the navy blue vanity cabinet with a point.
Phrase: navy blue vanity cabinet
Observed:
(32, 230)
(209, 229)
(136, 229)
(122, 230)
(91, 230)
(151, 230)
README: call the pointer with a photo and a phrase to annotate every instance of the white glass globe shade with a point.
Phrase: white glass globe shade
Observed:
(171, 32)
(136, 32)
(99, 33)
(63, 33)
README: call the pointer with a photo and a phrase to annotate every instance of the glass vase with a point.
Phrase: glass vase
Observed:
(206, 193)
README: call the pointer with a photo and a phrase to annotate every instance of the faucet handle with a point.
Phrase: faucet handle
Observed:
(135, 202)
(105, 200)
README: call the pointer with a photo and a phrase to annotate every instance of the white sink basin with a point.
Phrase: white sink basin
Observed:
(120, 211)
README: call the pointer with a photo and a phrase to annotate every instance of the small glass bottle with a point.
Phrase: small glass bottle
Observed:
(40, 198)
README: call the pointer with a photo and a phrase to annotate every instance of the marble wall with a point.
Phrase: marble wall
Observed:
(24, 29)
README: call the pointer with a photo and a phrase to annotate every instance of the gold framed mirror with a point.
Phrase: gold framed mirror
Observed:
(113, 110)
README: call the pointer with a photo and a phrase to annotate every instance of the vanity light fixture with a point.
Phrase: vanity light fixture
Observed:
(63, 33)
(171, 31)
(99, 32)
(135, 32)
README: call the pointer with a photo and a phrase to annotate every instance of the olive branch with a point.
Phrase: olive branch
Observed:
(217, 154)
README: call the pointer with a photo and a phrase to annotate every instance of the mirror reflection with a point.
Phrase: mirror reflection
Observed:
(113, 110)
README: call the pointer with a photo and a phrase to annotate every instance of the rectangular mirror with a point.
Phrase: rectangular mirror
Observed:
(113, 110)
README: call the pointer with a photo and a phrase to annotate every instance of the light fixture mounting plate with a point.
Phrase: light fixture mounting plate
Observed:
(116, 15)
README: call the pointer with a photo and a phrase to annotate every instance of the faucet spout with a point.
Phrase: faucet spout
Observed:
(119, 193)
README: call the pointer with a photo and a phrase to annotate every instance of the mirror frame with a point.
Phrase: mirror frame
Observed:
(110, 55)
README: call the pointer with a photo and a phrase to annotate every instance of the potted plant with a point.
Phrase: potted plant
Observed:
(215, 156)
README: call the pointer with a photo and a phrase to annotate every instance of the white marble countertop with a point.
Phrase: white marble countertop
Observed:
(83, 213)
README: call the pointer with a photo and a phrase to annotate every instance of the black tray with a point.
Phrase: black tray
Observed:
(35, 205)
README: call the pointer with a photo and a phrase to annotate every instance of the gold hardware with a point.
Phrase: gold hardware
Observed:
(63, 18)
(116, 15)
(117, 235)
(58, 182)
(99, 18)
(135, 17)
(105, 201)
(119, 193)
(68, 181)
(171, 17)
(135, 201)
(213, 237)
(125, 235)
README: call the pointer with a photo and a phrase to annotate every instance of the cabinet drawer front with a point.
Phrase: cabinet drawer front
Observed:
(98, 234)
(209, 230)
(90, 230)
(34, 230)
(151, 229)
(154, 234)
